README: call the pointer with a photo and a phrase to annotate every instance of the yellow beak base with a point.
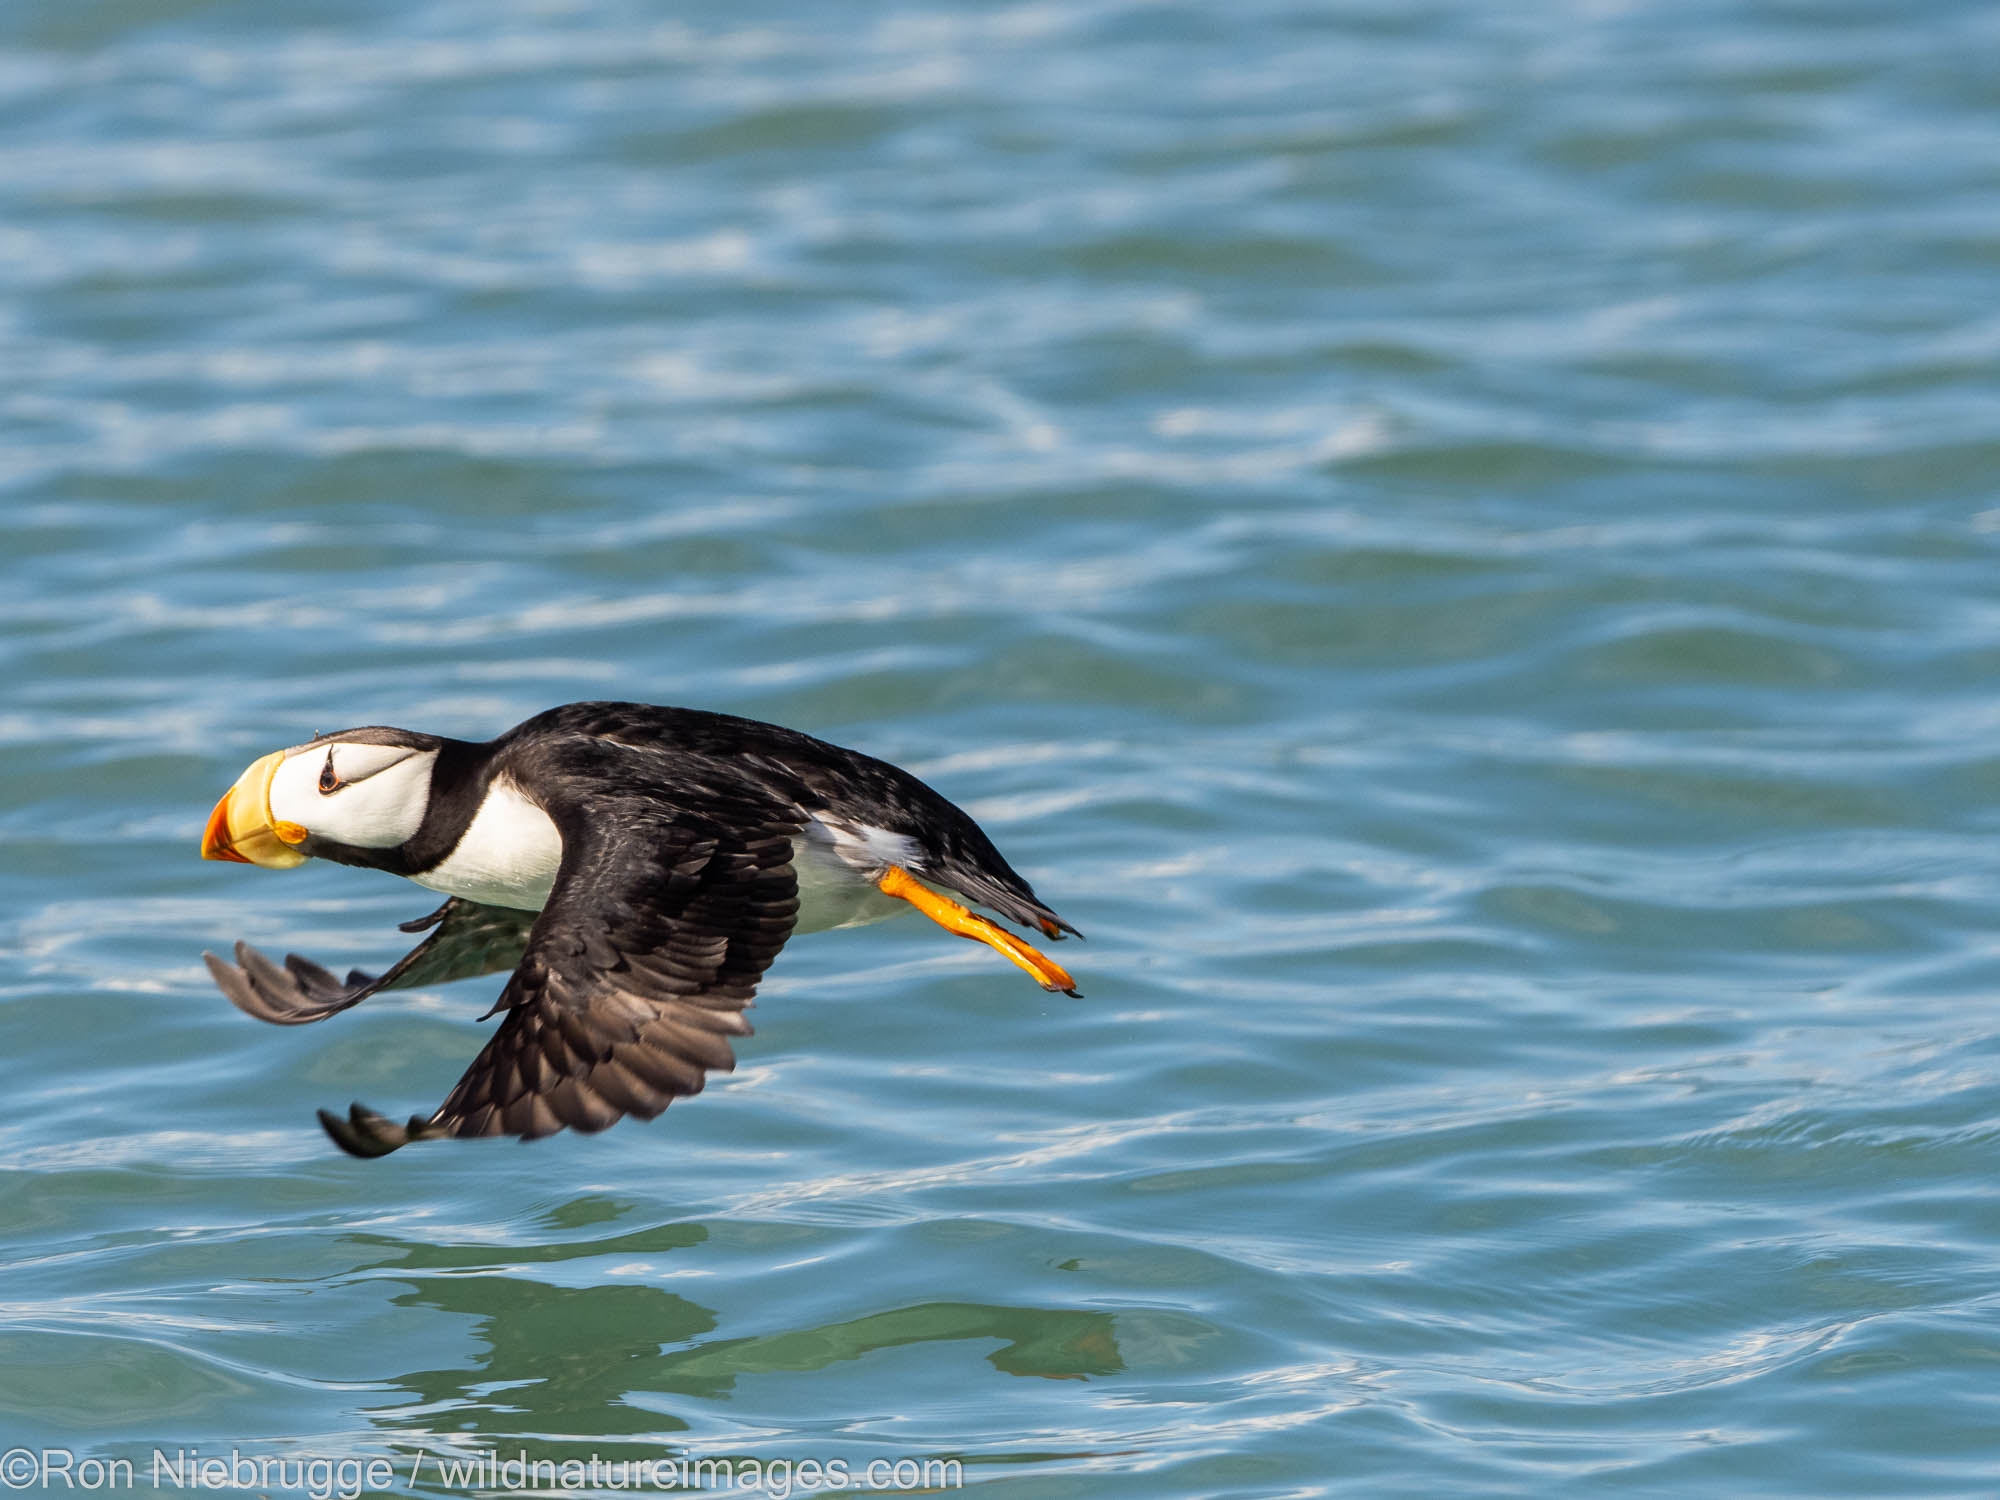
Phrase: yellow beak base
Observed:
(242, 830)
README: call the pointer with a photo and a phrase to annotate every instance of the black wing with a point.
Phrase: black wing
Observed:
(470, 939)
(637, 974)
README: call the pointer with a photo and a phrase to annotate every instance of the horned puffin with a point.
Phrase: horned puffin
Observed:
(636, 867)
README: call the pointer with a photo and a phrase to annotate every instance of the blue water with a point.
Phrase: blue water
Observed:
(1457, 543)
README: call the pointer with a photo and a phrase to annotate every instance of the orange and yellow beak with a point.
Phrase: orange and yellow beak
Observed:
(242, 829)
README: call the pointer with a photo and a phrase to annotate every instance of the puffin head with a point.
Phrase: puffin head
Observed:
(361, 789)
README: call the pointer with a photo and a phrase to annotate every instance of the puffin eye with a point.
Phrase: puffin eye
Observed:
(329, 783)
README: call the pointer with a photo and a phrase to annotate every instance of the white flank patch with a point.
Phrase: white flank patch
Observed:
(510, 853)
(508, 857)
(837, 865)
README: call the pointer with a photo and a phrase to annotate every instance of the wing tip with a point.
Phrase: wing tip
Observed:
(428, 920)
(293, 995)
(364, 1133)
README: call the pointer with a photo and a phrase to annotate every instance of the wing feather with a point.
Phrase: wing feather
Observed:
(467, 940)
(634, 978)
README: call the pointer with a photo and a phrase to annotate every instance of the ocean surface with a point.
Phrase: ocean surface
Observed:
(1459, 544)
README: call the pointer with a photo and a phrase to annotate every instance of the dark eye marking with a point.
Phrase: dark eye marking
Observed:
(328, 782)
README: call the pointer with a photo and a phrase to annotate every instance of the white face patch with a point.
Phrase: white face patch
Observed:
(507, 857)
(378, 799)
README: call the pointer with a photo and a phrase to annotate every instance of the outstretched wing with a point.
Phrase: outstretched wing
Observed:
(637, 974)
(470, 939)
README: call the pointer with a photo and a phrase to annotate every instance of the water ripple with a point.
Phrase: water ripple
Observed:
(1455, 543)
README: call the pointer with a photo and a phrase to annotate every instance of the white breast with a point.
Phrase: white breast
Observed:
(508, 856)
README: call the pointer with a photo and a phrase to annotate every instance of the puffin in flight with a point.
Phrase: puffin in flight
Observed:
(636, 867)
